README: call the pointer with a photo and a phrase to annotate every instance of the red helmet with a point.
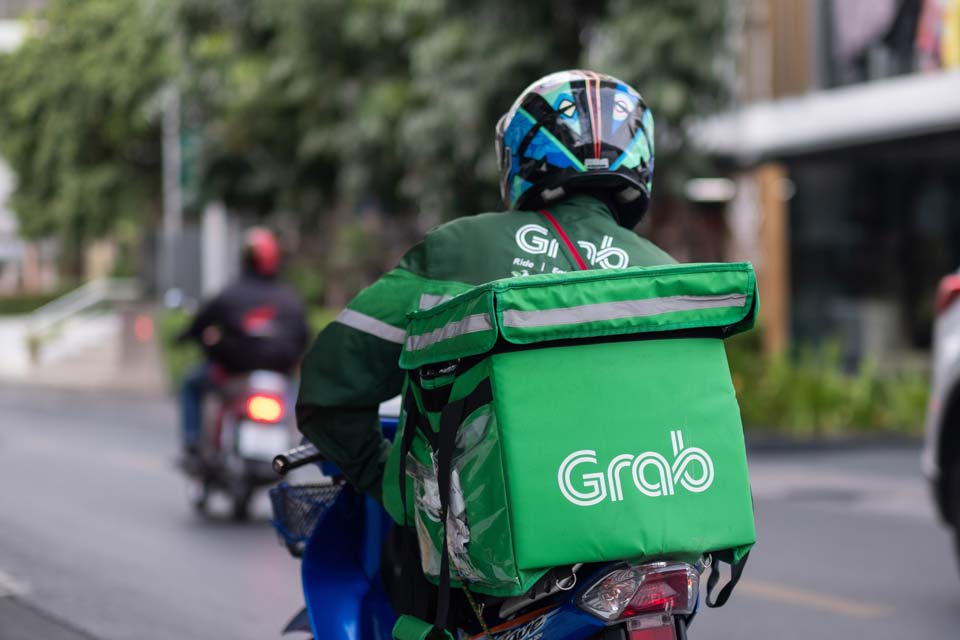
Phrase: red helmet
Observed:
(261, 251)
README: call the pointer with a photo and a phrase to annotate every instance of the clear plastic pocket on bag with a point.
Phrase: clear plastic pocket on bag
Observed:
(426, 513)
(427, 519)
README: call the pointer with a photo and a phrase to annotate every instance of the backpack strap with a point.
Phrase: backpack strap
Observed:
(736, 572)
(410, 628)
(572, 250)
(434, 399)
(450, 420)
(412, 422)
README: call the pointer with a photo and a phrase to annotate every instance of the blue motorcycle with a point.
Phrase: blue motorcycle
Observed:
(338, 533)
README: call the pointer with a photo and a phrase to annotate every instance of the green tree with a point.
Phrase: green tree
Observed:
(676, 54)
(321, 108)
(78, 118)
(327, 108)
(313, 103)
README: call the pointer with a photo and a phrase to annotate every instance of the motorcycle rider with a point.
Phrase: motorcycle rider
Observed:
(256, 323)
(576, 156)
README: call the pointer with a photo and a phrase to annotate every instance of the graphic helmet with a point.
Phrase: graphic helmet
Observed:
(573, 131)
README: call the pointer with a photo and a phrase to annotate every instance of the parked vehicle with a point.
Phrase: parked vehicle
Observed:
(338, 533)
(941, 454)
(247, 419)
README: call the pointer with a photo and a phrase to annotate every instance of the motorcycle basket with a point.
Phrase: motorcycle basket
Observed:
(298, 508)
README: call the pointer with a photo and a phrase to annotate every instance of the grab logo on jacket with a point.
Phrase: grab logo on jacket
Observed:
(584, 482)
(535, 239)
(607, 256)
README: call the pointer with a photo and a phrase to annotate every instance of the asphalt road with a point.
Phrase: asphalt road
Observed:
(96, 533)
(97, 540)
(848, 547)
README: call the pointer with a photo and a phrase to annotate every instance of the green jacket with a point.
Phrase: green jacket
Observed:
(352, 366)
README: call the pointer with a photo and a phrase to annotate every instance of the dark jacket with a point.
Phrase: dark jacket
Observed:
(259, 322)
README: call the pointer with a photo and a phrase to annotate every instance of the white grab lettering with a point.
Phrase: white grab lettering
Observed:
(534, 239)
(652, 474)
(607, 256)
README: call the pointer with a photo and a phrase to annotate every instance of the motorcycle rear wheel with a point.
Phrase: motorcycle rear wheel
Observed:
(240, 510)
(199, 495)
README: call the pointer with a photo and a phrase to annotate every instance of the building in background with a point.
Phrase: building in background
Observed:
(844, 145)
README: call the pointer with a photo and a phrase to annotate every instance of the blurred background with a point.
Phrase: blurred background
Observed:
(819, 139)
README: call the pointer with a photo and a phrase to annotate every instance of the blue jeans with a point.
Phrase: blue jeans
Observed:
(194, 386)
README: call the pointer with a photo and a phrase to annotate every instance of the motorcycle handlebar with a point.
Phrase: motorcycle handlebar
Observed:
(295, 458)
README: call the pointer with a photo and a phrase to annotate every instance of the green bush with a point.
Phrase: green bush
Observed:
(809, 394)
(25, 303)
(307, 279)
(178, 358)
(319, 317)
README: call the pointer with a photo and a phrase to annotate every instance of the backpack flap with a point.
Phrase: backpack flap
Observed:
(643, 300)
(583, 305)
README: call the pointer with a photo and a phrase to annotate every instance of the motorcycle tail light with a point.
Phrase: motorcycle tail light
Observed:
(670, 589)
(659, 627)
(639, 590)
(608, 598)
(264, 408)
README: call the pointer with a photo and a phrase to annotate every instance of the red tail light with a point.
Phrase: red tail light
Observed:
(947, 292)
(671, 589)
(264, 408)
(658, 630)
(643, 590)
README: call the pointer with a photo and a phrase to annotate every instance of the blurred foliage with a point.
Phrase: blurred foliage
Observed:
(178, 357)
(309, 104)
(323, 109)
(78, 118)
(810, 395)
(305, 280)
(27, 302)
(319, 317)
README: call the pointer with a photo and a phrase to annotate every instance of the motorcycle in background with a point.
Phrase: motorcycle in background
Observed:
(338, 534)
(246, 420)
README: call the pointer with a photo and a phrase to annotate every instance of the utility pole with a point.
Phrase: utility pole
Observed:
(172, 194)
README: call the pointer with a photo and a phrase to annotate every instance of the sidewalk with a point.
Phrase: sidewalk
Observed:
(91, 354)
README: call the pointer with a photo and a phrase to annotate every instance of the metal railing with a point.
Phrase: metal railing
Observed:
(85, 298)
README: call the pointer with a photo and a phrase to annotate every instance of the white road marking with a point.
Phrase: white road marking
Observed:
(10, 586)
(784, 594)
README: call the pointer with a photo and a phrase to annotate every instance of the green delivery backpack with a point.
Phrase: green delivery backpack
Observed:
(576, 417)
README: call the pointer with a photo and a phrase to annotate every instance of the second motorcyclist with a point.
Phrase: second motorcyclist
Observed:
(255, 323)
